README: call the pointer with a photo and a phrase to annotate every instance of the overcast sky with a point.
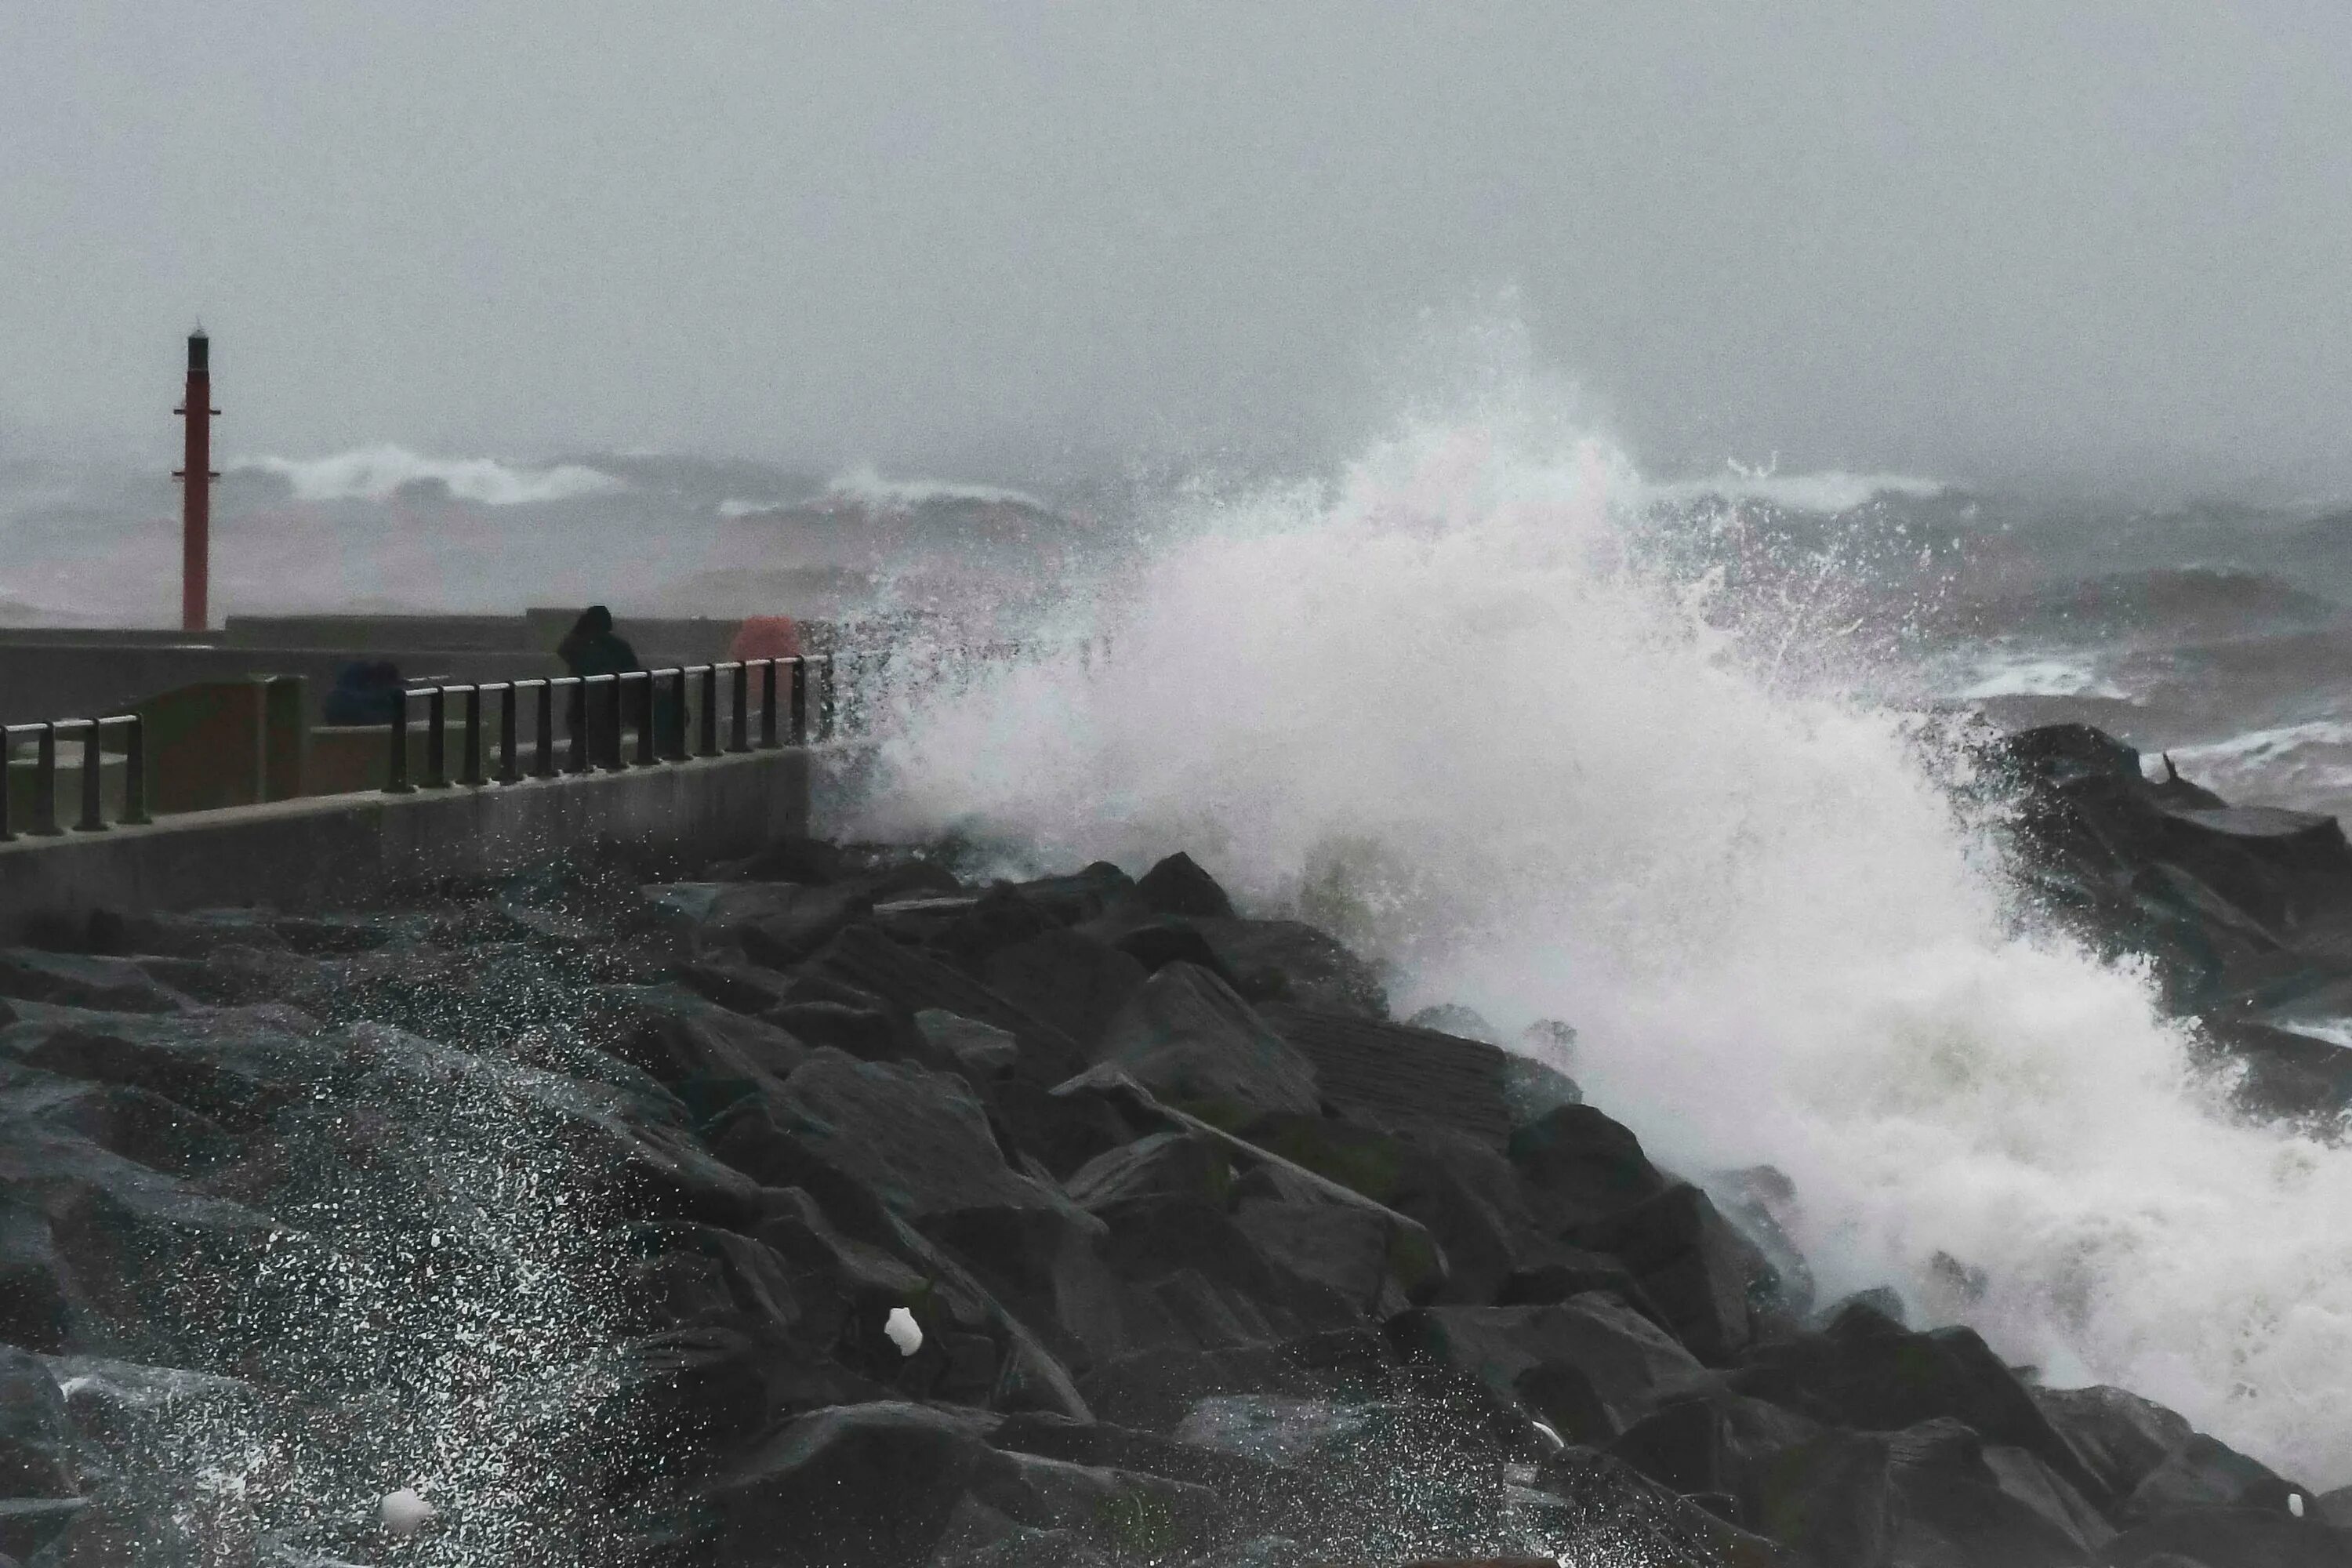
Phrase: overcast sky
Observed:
(2000, 237)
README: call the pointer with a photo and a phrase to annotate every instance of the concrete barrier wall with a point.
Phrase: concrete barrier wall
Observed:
(344, 850)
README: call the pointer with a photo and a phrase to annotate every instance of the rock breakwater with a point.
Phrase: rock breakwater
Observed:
(592, 1210)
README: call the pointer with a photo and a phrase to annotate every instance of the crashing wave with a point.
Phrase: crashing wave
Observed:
(378, 473)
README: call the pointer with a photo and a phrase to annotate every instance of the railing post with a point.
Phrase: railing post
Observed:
(543, 765)
(674, 745)
(828, 699)
(437, 738)
(706, 725)
(800, 701)
(510, 764)
(134, 770)
(615, 757)
(44, 782)
(7, 782)
(93, 780)
(646, 747)
(471, 773)
(738, 730)
(767, 705)
(395, 773)
(578, 761)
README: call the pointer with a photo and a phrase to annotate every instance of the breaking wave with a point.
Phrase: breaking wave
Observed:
(378, 473)
(1830, 492)
(1438, 704)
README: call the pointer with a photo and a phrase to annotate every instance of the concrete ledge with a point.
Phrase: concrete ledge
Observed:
(342, 850)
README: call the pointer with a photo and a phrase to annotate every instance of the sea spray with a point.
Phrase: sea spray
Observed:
(1453, 703)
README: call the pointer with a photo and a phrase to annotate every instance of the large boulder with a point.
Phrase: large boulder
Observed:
(1589, 1368)
(1188, 1039)
(1288, 960)
(1177, 886)
(1580, 1167)
(1703, 1274)
(917, 1141)
(863, 957)
(1867, 1372)
(1071, 981)
(2229, 1538)
(2120, 1437)
(79, 980)
(1398, 1076)
(864, 1483)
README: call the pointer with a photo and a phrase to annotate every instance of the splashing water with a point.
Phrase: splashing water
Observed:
(1443, 706)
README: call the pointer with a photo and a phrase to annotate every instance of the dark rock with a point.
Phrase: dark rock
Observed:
(1155, 1389)
(1176, 1164)
(680, 1036)
(1869, 1372)
(1082, 896)
(773, 923)
(1589, 1368)
(2121, 1438)
(1461, 1190)
(998, 918)
(1532, 1090)
(2229, 1538)
(2333, 1507)
(743, 987)
(136, 1123)
(1060, 1129)
(1177, 886)
(200, 935)
(1567, 1273)
(870, 1034)
(72, 980)
(981, 1051)
(1074, 982)
(1160, 942)
(1453, 1018)
(1883, 1299)
(867, 1483)
(1344, 1248)
(2205, 1473)
(811, 862)
(37, 1458)
(1580, 1166)
(1284, 961)
(1700, 1271)
(918, 1141)
(1393, 1075)
(871, 962)
(1188, 1039)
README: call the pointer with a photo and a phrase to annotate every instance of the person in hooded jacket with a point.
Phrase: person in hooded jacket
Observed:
(593, 648)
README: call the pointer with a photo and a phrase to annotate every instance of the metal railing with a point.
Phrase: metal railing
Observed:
(598, 710)
(93, 733)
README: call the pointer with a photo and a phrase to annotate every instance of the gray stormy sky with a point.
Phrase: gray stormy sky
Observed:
(2106, 242)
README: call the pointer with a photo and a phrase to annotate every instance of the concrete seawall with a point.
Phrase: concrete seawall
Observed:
(346, 849)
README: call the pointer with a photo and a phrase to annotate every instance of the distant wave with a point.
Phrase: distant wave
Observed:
(1831, 492)
(868, 488)
(377, 473)
(2039, 673)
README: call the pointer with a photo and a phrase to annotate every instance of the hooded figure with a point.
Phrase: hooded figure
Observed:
(593, 648)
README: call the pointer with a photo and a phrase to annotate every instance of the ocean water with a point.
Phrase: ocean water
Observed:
(1552, 739)
(1553, 743)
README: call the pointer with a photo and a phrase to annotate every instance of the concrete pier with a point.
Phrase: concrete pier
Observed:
(342, 850)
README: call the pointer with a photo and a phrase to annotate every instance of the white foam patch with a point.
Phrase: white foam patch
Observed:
(1830, 492)
(869, 489)
(2036, 675)
(376, 473)
(1432, 707)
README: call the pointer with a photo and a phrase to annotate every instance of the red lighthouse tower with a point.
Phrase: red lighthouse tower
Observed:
(196, 475)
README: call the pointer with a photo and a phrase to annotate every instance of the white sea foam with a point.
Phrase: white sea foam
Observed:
(869, 489)
(2035, 674)
(1831, 492)
(1430, 704)
(376, 473)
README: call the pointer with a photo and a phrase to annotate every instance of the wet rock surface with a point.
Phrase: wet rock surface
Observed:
(584, 1204)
